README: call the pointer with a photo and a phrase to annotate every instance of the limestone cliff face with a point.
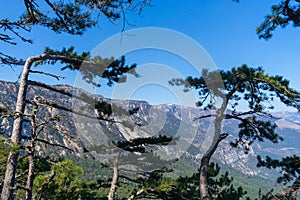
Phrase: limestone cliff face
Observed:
(194, 136)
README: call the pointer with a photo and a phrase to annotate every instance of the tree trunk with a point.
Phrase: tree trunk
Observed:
(9, 180)
(204, 195)
(30, 178)
(12, 161)
(31, 149)
(218, 137)
(114, 182)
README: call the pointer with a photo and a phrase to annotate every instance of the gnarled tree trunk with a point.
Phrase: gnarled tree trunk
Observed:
(218, 137)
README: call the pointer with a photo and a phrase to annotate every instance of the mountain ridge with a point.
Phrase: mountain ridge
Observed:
(169, 119)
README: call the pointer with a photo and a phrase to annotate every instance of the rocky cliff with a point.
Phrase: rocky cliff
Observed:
(80, 133)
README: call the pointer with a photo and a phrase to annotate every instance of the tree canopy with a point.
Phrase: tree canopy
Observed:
(223, 92)
(71, 17)
(282, 14)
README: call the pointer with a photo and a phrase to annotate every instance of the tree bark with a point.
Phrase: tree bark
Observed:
(12, 160)
(204, 195)
(31, 149)
(30, 177)
(9, 180)
(114, 182)
(218, 137)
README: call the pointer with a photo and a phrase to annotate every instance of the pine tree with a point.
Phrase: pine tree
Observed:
(231, 88)
(112, 70)
(135, 155)
(74, 18)
(220, 186)
(71, 17)
(290, 169)
(283, 13)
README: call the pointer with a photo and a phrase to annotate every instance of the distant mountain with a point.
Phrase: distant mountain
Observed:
(194, 136)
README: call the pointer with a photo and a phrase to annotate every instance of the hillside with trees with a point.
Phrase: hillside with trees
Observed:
(61, 142)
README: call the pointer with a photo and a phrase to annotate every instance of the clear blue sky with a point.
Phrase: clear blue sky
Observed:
(225, 29)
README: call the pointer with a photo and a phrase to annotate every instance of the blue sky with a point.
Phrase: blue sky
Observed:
(225, 29)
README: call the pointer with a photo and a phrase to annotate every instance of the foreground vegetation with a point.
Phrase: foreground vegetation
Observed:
(31, 172)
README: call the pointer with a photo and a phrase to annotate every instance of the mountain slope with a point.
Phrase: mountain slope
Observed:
(178, 121)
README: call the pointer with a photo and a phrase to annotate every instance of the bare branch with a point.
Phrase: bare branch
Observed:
(138, 193)
(53, 144)
(47, 74)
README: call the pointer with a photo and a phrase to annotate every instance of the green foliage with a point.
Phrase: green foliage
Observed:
(220, 186)
(251, 129)
(104, 109)
(64, 183)
(252, 85)
(3, 156)
(138, 152)
(111, 69)
(251, 183)
(66, 17)
(73, 17)
(287, 11)
(282, 14)
(244, 85)
(41, 165)
(107, 111)
(158, 186)
(139, 144)
(93, 169)
(290, 167)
